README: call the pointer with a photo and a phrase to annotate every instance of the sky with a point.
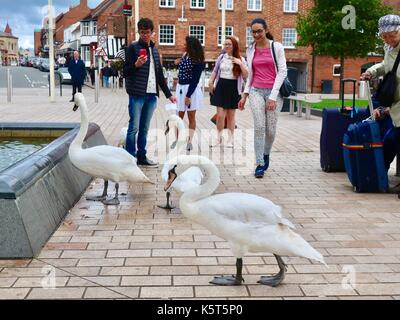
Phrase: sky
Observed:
(24, 16)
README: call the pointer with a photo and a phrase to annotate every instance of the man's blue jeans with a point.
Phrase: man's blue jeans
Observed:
(141, 109)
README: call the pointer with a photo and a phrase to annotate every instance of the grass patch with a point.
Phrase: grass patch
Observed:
(331, 103)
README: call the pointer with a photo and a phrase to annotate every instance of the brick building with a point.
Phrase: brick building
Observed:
(103, 29)
(73, 15)
(175, 19)
(8, 47)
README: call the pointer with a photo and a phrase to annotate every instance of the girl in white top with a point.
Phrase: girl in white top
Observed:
(226, 86)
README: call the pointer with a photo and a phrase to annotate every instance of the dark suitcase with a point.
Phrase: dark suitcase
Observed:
(334, 125)
(363, 157)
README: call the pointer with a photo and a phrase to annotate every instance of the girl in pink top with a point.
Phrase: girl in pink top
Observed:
(262, 89)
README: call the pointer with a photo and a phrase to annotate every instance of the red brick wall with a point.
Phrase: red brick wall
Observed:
(239, 18)
(37, 41)
(352, 69)
(72, 16)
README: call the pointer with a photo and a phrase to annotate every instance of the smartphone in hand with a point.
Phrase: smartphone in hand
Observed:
(143, 52)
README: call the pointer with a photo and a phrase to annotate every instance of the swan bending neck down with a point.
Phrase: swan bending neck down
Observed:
(106, 162)
(248, 222)
(192, 176)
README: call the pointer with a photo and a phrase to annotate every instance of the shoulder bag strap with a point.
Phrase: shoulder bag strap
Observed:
(396, 63)
(273, 53)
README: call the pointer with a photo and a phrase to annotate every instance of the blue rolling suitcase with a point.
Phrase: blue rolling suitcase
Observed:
(334, 125)
(364, 158)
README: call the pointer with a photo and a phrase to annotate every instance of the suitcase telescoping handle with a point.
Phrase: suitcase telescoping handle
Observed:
(354, 81)
(369, 97)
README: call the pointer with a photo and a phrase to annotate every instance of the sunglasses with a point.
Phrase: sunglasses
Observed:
(259, 31)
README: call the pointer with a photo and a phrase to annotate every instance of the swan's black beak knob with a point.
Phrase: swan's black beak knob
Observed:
(75, 107)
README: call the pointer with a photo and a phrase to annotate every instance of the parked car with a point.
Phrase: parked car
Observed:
(35, 62)
(64, 75)
(45, 65)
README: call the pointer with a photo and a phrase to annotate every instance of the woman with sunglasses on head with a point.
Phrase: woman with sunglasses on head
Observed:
(229, 73)
(188, 90)
(262, 89)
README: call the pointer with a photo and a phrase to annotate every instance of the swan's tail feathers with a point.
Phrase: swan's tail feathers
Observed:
(310, 253)
(301, 247)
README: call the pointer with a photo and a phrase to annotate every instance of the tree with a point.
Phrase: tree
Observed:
(342, 28)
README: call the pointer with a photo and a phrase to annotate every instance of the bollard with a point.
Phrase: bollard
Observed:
(8, 85)
(96, 86)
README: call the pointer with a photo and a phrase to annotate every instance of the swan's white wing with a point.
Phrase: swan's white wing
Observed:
(105, 162)
(113, 153)
(244, 207)
(188, 179)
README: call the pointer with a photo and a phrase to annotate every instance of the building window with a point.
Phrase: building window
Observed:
(290, 6)
(336, 70)
(289, 37)
(167, 3)
(228, 4)
(198, 32)
(94, 25)
(249, 37)
(197, 4)
(254, 5)
(166, 34)
(228, 32)
(85, 28)
(85, 53)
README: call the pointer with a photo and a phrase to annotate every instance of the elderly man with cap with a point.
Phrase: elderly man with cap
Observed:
(389, 31)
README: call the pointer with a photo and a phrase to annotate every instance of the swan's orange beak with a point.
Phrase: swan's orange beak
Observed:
(75, 107)
(171, 178)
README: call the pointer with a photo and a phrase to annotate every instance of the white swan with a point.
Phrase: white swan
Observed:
(192, 176)
(106, 162)
(248, 222)
(122, 137)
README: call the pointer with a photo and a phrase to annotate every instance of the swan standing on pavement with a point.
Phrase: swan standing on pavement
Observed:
(192, 176)
(106, 162)
(248, 222)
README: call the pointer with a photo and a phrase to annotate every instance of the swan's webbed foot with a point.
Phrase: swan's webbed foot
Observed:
(231, 280)
(227, 281)
(274, 281)
(102, 197)
(168, 206)
(96, 198)
(114, 201)
(111, 202)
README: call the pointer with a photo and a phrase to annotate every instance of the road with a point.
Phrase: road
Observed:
(24, 77)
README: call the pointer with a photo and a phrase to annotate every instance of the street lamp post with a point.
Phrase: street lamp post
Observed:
(51, 50)
(223, 22)
(136, 18)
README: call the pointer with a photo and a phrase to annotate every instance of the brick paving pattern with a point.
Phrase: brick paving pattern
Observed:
(137, 250)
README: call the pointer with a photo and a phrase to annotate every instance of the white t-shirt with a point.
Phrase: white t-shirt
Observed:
(152, 82)
(226, 67)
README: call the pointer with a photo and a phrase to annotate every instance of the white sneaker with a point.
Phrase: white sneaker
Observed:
(229, 145)
(216, 143)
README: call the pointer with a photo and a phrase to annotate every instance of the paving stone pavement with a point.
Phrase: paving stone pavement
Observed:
(137, 250)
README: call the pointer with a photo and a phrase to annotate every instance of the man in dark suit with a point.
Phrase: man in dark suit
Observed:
(77, 70)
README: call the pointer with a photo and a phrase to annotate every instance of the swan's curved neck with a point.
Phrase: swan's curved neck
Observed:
(207, 188)
(83, 128)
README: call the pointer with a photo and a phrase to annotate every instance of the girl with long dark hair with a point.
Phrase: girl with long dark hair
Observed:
(189, 93)
(262, 89)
